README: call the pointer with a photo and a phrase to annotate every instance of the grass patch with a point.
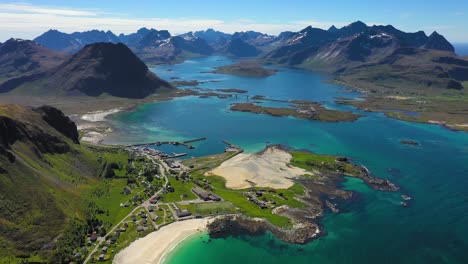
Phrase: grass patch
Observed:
(182, 191)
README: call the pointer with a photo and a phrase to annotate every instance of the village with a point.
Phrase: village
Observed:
(163, 200)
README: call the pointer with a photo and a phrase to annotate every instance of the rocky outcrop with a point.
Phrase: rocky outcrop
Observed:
(43, 129)
(240, 225)
(58, 120)
(12, 131)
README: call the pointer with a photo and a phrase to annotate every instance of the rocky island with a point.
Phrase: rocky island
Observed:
(245, 68)
(299, 109)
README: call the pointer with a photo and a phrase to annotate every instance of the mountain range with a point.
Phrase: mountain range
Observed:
(99, 62)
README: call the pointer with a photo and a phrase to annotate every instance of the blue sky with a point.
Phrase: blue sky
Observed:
(27, 19)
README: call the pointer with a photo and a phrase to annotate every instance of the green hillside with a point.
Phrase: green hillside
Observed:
(51, 187)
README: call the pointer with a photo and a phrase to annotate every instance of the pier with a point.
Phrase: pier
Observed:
(175, 143)
(232, 148)
(178, 155)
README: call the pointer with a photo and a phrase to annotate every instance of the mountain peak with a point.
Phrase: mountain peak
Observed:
(333, 28)
(358, 23)
(308, 28)
(438, 42)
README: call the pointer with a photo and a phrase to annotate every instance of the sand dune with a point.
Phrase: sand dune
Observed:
(267, 169)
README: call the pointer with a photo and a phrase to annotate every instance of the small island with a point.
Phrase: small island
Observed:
(231, 90)
(299, 109)
(245, 68)
(409, 142)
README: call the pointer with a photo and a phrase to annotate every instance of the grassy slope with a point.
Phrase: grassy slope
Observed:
(40, 195)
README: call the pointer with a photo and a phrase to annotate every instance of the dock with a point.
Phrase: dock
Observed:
(178, 155)
(175, 143)
(232, 148)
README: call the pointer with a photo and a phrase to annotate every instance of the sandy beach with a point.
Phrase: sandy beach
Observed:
(153, 248)
(93, 125)
(99, 116)
(267, 169)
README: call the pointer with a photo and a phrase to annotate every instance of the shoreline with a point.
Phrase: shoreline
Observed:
(156, 246)
(95, 125)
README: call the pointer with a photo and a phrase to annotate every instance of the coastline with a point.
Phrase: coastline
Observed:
(95, 126)
(155, 247)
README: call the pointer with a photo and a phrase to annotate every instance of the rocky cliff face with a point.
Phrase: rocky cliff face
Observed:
(43, 129)
(58, 120)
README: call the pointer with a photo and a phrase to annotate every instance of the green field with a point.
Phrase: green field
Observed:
(210, 208)
(182, 191)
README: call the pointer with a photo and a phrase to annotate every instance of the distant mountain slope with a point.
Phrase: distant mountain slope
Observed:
(212, 37)
(410, 69)
(169, 50)
(355, 42)
(59, 41)
(254, 38)
(239, 48)
(24, 60)
(134, 38)
(73, 42)
(151, 45)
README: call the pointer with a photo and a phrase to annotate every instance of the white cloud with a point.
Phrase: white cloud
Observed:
(28, 8)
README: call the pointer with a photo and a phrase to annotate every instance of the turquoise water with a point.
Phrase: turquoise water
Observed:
(372, 229)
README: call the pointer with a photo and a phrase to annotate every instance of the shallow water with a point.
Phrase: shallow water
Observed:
(373, 229)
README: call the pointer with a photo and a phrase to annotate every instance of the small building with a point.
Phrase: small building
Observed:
(205, 195)
(93, 237)
(104, 250)
(183, 213)
(154, 199)
(140, 229)
(126, 190)
(101, 257)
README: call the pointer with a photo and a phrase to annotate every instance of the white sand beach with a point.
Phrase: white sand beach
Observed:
(99, 116)
(94, 127)
(267, 169)
(153, 248)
